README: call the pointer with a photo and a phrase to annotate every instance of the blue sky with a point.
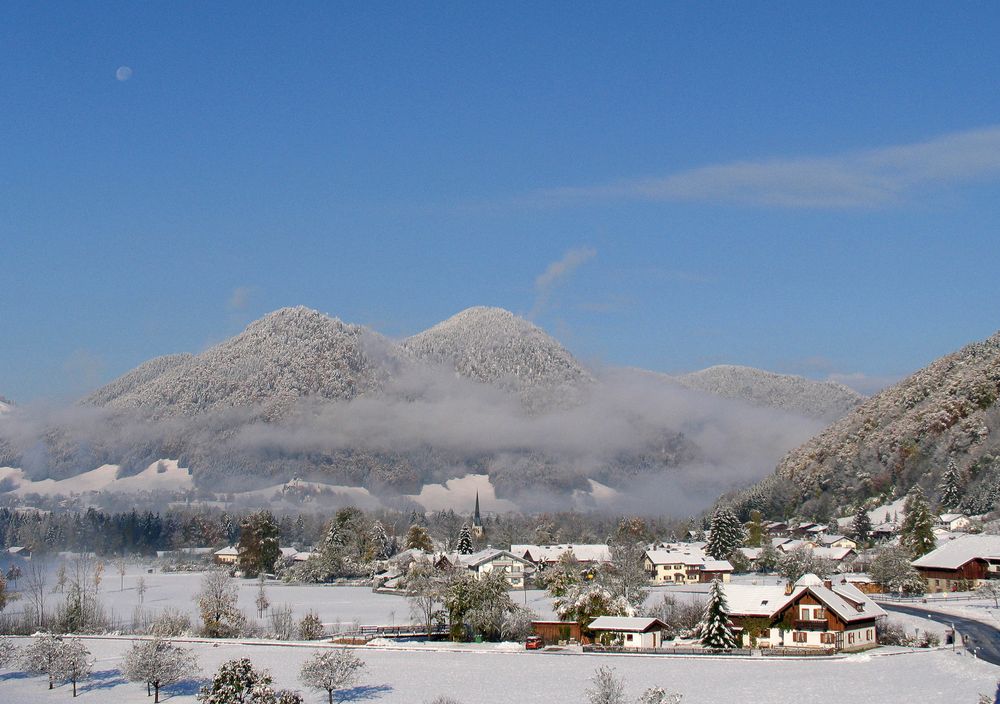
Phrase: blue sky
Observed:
(793, 186)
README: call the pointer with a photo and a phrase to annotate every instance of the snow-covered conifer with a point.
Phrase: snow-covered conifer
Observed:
(716, 632)
(465, 541)
(727, 534)
(950, 488)
(917, 532)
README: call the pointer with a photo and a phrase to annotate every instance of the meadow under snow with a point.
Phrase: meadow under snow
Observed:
(497, 675)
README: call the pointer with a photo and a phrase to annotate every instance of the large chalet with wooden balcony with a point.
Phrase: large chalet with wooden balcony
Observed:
(963, 563)
(811, 613)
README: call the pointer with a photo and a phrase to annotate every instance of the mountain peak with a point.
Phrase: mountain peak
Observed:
(824, 400)
(494, 346)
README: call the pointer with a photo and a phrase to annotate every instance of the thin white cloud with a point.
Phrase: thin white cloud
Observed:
(556, 273)
(865, 179)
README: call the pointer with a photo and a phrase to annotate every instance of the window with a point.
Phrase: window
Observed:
(628, 637)
(868, 634)
(827, 638)
(799, 636)
(850, 637)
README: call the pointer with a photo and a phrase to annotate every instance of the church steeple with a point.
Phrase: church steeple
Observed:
(477, 520)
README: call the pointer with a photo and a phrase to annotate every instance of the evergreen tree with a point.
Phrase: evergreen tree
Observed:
(727, 534)
(258, 545)
(716, 633)
(380, 541)
(418, 538)
(237, 682)
(917, 531)
(950, 488)
(755, 529)
(465, 541)
(861, 527)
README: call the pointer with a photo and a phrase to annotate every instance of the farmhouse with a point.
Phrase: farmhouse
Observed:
(684, 567)
(808, 614)
(226, 556)
(486, 561)
(628, 631)
(962, 563)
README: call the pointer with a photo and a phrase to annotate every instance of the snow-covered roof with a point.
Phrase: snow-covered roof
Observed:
(949, 517)
(635, 624)
(551, 553)
(755, 599)
(227, 551)
(480, 558)
(835, 554)
(288, 552)
(847, 601)
(844, 599)
(960, 551)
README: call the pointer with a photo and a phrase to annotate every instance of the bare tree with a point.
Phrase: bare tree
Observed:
(74, 662)
(41, 656)
(282, 623)
(98, 575)
(158, 663)
(140, 588)
(608, 687)
(331, 670)
(261, 602)
(38, 573)
(8, 651)
(120, 564)
(217, 603)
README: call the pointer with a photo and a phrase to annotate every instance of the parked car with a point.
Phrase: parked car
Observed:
(533, 643)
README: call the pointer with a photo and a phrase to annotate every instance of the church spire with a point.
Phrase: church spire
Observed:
(477, 520)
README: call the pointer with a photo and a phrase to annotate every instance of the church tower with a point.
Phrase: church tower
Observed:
(477, 520)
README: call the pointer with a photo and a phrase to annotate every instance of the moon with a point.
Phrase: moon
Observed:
(123, 73)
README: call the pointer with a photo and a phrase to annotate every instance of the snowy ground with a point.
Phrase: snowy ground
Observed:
(497, 675)
(336, 605)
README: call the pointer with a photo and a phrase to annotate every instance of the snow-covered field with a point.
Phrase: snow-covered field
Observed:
(496, 675)
(334, 604)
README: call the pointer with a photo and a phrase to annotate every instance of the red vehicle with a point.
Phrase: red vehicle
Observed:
(533, 643)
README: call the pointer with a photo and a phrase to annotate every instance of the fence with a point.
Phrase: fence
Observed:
(664, 651)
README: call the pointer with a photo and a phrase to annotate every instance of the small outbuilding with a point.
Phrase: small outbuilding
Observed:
(628, 631)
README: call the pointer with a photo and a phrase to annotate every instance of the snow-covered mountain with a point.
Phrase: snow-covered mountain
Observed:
(823, 400)
(302, 394)
(289, 354)
(494, 346)
(946, 413)
(6, 406)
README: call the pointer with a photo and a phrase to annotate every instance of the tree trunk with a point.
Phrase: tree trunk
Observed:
(156, 698)
(149, 693)
(330, 694)
(74, 688)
